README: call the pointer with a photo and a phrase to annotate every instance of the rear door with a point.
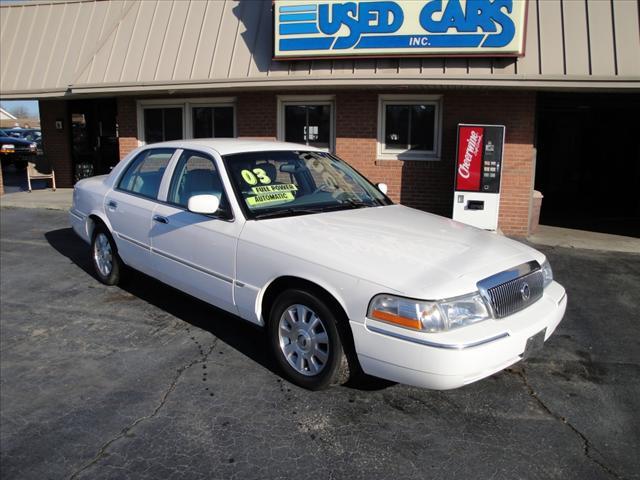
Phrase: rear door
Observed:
(129, 206)
(195, 252)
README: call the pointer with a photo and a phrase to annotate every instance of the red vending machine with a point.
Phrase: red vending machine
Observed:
(476, 198)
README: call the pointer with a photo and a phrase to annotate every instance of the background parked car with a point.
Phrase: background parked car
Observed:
(16, 151)
(29, 134)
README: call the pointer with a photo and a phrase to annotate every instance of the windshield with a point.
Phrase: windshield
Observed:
(280, 183)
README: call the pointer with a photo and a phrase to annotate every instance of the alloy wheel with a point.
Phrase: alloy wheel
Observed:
(303, 340)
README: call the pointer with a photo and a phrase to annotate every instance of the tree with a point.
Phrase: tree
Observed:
(19, 111)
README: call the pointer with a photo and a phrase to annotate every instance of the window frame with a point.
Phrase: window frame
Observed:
(384, 153)
(308, 100)
(187, 105)
(173, 176)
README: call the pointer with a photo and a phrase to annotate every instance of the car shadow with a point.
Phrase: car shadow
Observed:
(232, 330)
(245, 337)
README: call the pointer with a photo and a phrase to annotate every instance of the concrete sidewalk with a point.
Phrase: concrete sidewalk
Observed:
(46, 198)
(566, 237)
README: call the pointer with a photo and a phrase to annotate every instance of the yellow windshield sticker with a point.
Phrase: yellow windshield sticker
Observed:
(249, 177)
(270, 198)
(252, 176)
(286, 187)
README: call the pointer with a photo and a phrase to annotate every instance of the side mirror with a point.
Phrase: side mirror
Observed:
(204, 204)
(382, 187)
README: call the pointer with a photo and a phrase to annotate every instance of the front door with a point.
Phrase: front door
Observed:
(195, 252)
(94, 136)
(130, 205)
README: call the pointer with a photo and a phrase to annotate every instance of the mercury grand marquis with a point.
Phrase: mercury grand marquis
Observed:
(343, 280)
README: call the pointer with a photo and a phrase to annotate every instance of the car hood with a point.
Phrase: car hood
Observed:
(409, 251)
(15, 141)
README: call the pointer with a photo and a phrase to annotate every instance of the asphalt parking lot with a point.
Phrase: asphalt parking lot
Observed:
(145, 382)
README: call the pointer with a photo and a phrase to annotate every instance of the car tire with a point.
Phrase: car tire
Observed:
(304, 337)
(104, 257)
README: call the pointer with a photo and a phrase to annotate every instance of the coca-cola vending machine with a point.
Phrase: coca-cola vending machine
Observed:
(478, 172)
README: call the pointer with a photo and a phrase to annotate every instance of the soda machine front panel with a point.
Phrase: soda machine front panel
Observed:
(478, 174)
(469, 168)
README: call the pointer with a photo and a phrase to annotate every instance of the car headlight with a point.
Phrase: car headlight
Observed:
(547, 273)
(8, 147)
(428, 316)
(33, 147)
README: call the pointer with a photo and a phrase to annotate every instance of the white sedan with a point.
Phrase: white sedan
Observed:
(293, 239)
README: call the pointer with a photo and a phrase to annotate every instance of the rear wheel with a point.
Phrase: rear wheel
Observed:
(104, 257)
(304, 338)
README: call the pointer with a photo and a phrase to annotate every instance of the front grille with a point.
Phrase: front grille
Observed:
(511, 297)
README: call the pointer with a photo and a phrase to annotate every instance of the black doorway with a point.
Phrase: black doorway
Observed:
(94, 136)
(588, 161)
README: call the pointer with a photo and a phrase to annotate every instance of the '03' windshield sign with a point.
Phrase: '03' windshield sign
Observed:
(409, 27)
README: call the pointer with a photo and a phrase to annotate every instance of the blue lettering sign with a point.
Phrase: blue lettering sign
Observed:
(480, 14)
(365, 17)
(379, 25)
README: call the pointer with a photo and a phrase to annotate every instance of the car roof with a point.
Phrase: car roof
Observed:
(229, 146)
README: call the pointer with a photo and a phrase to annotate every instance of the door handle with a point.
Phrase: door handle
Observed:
(112, 204)
(159, 219)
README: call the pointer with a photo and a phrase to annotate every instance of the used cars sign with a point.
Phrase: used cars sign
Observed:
(412, 27)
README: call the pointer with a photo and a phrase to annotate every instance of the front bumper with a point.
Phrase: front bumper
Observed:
(452, 359)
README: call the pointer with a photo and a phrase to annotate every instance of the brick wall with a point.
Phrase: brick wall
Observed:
(256, 115)
(427, 185)
(57, 143)
(127, 125)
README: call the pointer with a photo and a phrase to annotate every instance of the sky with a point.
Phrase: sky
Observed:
(30, 105)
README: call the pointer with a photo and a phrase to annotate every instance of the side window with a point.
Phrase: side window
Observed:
(144, 174)
(196, 174)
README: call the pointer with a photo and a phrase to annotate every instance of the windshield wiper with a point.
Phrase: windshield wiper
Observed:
(354, 203)
(286, 212)
(348, 204)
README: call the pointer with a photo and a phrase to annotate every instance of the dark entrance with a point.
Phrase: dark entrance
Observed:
(94, 136)
(588, 161)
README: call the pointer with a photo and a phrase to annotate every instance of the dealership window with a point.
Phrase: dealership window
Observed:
(306, 120)
(162, 124)
(163, 120)
(409, 127)
(212, 122)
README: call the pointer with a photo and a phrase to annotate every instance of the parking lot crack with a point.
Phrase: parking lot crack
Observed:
(202, 358)
(587, 446)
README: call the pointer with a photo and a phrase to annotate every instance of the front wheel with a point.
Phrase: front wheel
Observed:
(104, 257)
(304, 337)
